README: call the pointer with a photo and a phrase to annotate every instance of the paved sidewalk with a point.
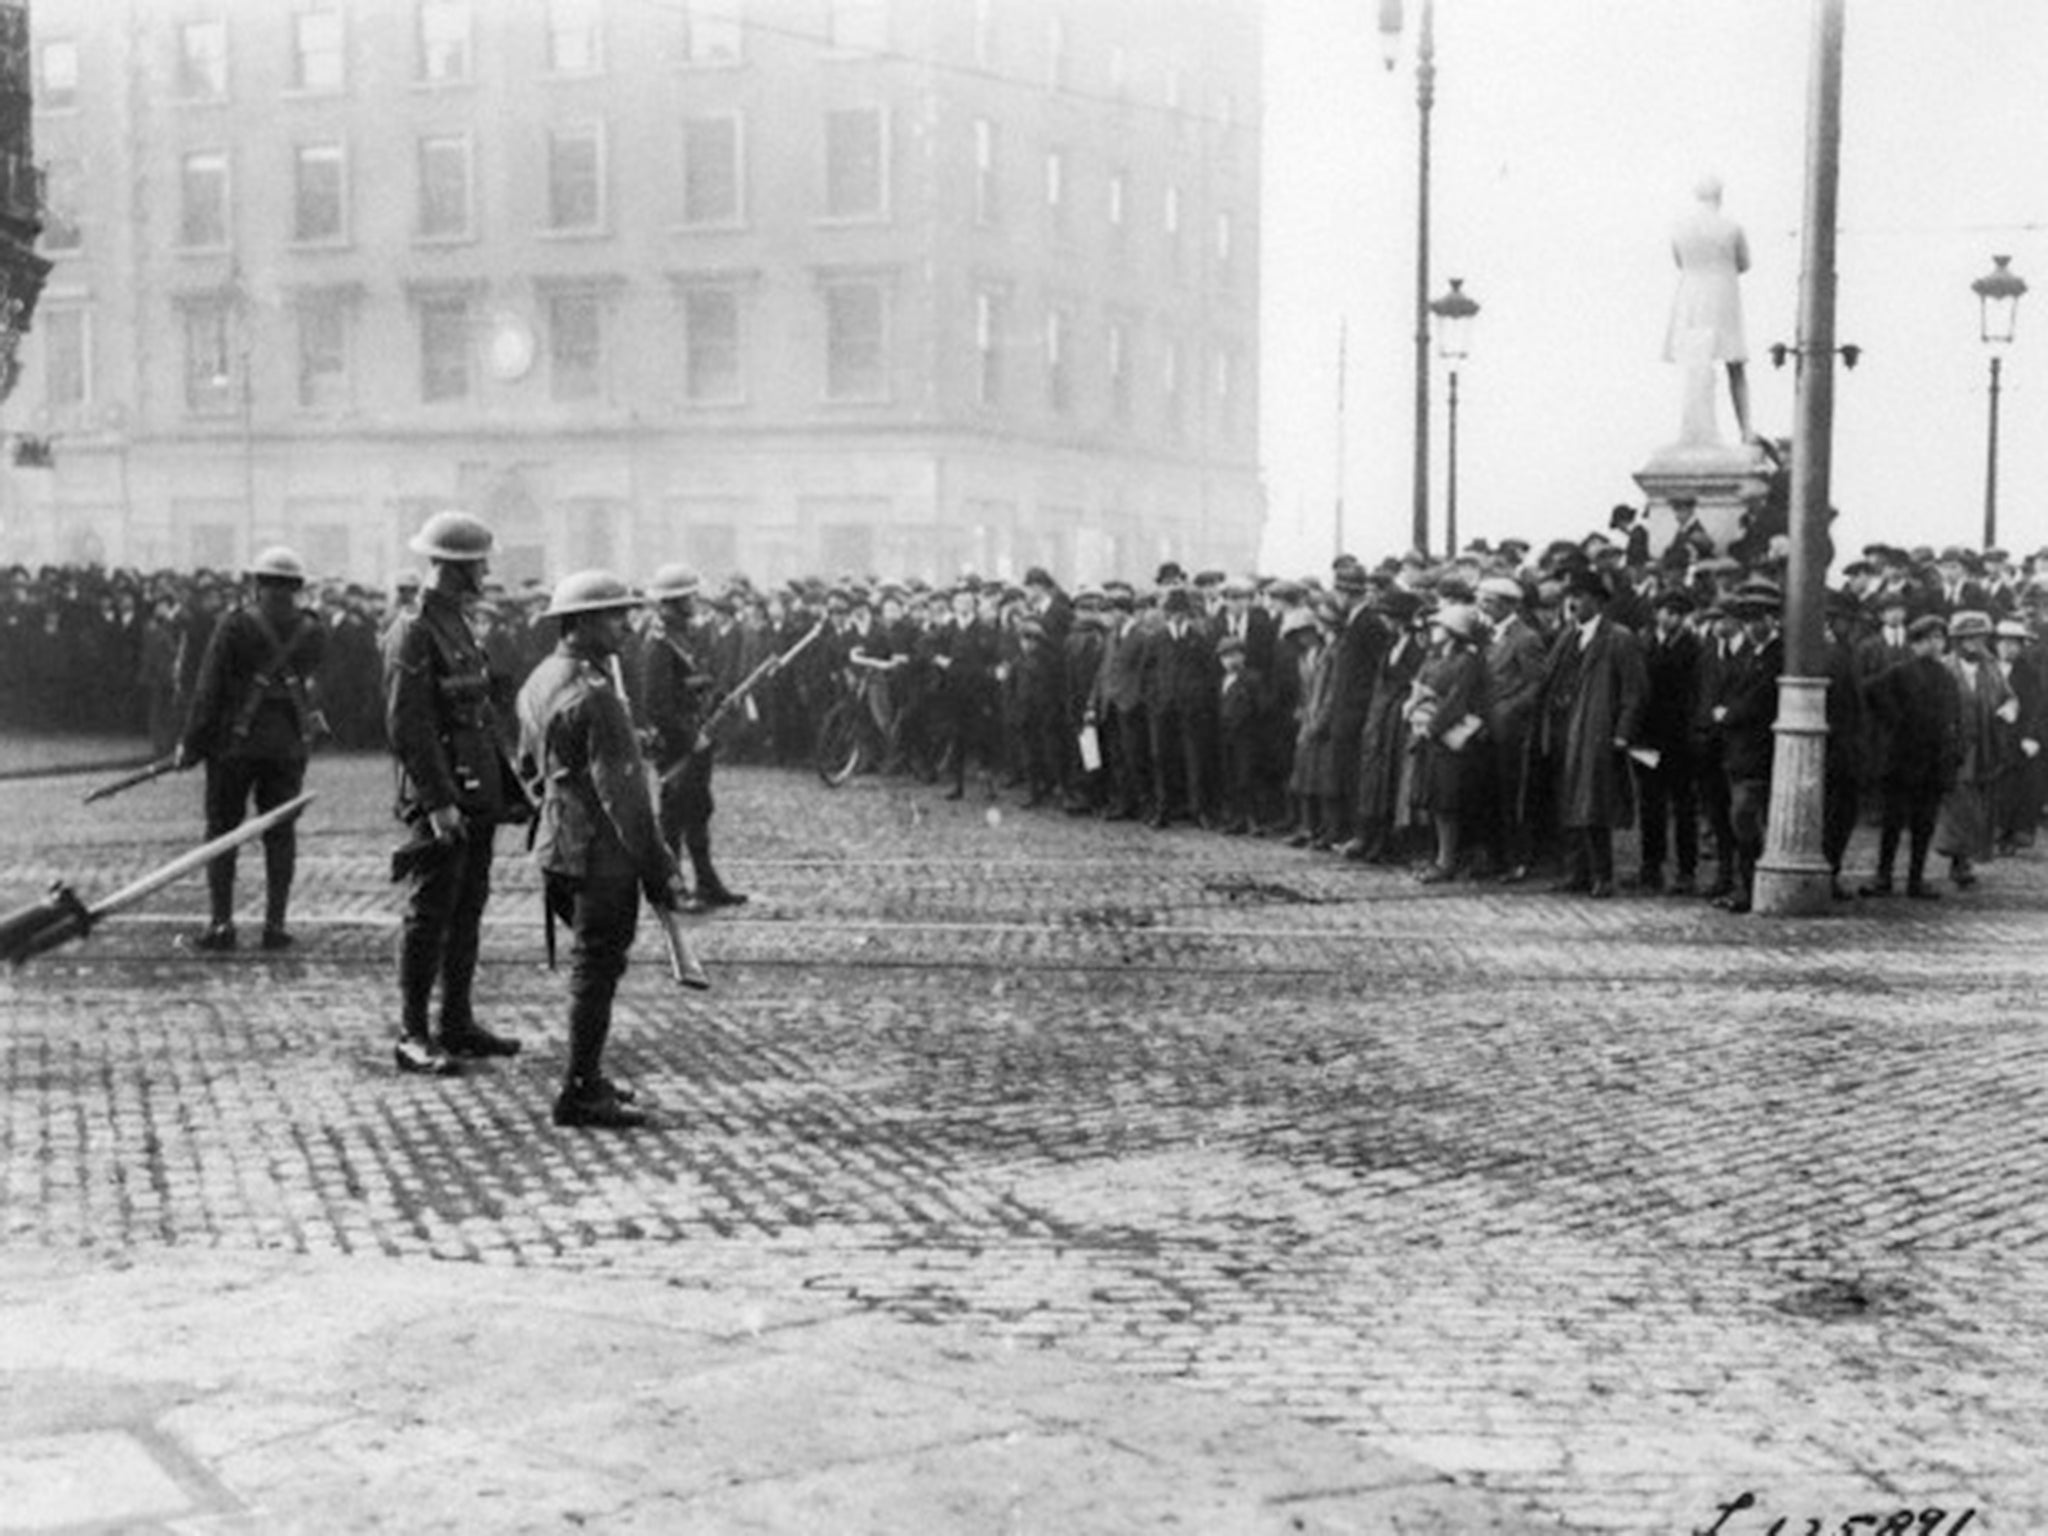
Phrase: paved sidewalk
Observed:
(206, 1392)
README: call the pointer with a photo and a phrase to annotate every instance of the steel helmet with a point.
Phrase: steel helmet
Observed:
(278, 563)
(673, 581)
(590, 592)
(452, 536)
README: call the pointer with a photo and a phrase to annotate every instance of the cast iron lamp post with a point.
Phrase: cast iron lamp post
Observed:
(1998, 298)
(1425, 99)
(1454, 311)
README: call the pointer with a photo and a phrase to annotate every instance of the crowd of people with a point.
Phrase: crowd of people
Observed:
(1499, 713)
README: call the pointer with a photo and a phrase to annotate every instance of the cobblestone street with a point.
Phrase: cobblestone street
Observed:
(1615, 1210)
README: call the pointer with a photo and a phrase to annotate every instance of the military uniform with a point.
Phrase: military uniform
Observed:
(596, 841)
(444, 735)
(250, 723)
(676, 697)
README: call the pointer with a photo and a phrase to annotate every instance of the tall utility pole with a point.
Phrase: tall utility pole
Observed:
(1425, 101)
(1991, 461)
(1792, 875)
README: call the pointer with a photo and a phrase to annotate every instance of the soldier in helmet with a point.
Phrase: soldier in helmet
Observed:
(251, 721)
(597, 843)
(455, 788)
(676, 698)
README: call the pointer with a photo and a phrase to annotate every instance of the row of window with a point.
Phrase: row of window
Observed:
(456, 337)
(710, 33)
(316, 63)
(714, 174)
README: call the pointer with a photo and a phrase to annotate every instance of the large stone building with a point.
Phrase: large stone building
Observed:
(779, 286)
(22, 270)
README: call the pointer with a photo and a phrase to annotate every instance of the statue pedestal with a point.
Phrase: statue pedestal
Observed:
(1720, 480)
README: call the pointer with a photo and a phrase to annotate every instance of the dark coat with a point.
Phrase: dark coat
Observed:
(1671, 673)
(1361, 645)
(1447, 778)
(439, 718)
(1315, 770)
(251, 700)
(1922, 712)
(1083, 648)
(1383, 742)
(1749, 694)
(1120, 682)
(1592, 699)
(1181, 672)
(1240, 703)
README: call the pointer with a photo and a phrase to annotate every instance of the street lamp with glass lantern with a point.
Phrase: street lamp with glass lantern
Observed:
(1998, 298)
(1391, 23)
(1454, 311)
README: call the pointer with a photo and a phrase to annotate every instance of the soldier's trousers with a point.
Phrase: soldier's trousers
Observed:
(447, 886)
(602, 910)
(230, 781)
(686, 807)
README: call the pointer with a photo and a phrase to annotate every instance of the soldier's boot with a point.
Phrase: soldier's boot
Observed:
(419, 960)
(711, 891)
(280, 863)
(587, 1098)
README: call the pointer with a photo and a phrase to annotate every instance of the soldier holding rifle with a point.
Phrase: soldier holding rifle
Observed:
(675, 703)
(597, 843)
(251, 722)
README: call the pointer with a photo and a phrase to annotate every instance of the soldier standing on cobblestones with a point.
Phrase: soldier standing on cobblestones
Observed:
(675, 699)
(454, 788)
(251, 721)
(598, 845)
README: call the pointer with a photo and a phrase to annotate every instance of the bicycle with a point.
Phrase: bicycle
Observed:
(851, 739)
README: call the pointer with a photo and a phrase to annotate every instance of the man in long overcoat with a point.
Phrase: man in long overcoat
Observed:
(1360, 647)
(1592, 700)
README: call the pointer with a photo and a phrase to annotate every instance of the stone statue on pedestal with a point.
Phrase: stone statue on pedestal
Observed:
(1702, 486)
(1706, 314)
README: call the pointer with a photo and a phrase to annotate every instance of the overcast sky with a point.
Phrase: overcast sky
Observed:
(1568, 135)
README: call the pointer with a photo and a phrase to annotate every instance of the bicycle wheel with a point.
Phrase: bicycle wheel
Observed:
(837, 755)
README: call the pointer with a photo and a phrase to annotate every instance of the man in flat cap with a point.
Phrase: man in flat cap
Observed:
(1842, 758)
(963, 654)
(1516, 658)
(1666, 779)
(1180, 707)
(1963, 827)
(1745, 709)
(1116, 706)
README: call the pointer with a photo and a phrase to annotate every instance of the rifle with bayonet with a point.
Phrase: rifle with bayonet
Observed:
(62, 916)
(683, 963)
(739, 693)
(142, 775)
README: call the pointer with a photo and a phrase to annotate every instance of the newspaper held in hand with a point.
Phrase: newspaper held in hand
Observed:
(1462, 733)
(1091, 750)
(1649, 757)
